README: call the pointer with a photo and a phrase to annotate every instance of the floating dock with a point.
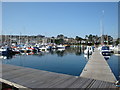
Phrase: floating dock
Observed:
(98, 68)
(22, 77)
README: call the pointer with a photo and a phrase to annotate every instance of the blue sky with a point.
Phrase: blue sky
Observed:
(68, 18)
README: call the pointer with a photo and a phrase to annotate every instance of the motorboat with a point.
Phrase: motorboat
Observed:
(6, 51)
(105, 51)
(117, 49)
(111, 48)
(60, 46)
(54, 47)
(15, 50)
(88, 50)
(43, 48)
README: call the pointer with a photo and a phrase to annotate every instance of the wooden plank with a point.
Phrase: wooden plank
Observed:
(65, 83)
(49, 80)
(7, 68)
(96, 84)
(79, 82)
(32, 78)
(16, 73)
(88, 83)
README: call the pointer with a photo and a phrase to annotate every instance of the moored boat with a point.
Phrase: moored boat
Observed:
(105, 51)
(60, 46)
(117, 49)
(6, 51)
(88, 50)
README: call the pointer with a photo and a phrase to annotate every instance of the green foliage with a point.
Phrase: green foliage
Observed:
(78, 38)
(117, 41)
(59, 41)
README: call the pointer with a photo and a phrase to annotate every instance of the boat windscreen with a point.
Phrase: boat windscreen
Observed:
(105, 48)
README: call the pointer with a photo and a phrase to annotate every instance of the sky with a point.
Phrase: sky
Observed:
(53, 18)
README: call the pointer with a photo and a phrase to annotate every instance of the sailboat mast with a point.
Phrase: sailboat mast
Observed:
(1, 31)
(20, 38)
(102, 28)
(10, 42)
(1, 37)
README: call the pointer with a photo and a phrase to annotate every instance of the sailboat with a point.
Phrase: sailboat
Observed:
(104, 50)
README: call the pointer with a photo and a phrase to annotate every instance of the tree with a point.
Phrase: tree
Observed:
(90, 37)
(86, 36)
(60, 36)
(117, 41)
(59, 41)
(78, 38)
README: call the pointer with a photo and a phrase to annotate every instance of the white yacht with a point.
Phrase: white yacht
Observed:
(105, 51)
(88, 50)
(43, 48)
(60, 46)
(117, 49)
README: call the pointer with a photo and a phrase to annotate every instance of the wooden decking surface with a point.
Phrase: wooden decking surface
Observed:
(97, 68)
(32, 78)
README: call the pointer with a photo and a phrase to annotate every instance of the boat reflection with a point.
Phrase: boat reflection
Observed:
(87, 56)
(107, 57)
(60, 52)
(6, 57)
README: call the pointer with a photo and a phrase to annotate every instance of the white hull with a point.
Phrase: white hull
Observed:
(60, 47)
(88, 50)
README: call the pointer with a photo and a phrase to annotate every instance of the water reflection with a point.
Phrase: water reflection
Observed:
(87, 56)
(69, 61)
(78, 51)
(107, 57)
(59, 52)
(114, 63)
(6, 57)
(63, 52)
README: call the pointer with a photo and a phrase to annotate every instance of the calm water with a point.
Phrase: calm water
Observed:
(71, 61)
(114, 63)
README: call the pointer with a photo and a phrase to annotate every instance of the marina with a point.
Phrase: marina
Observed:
(70, 61)
(88, 74)
(59, 45)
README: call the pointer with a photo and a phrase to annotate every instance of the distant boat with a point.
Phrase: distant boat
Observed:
(60, 46)
(54, 47)
(105, 51)
(36, 50)
(29, 49)
(15, 50)
(43, 48)
(111, 48)
(88, 50)
(117, 49)
(6, 51)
